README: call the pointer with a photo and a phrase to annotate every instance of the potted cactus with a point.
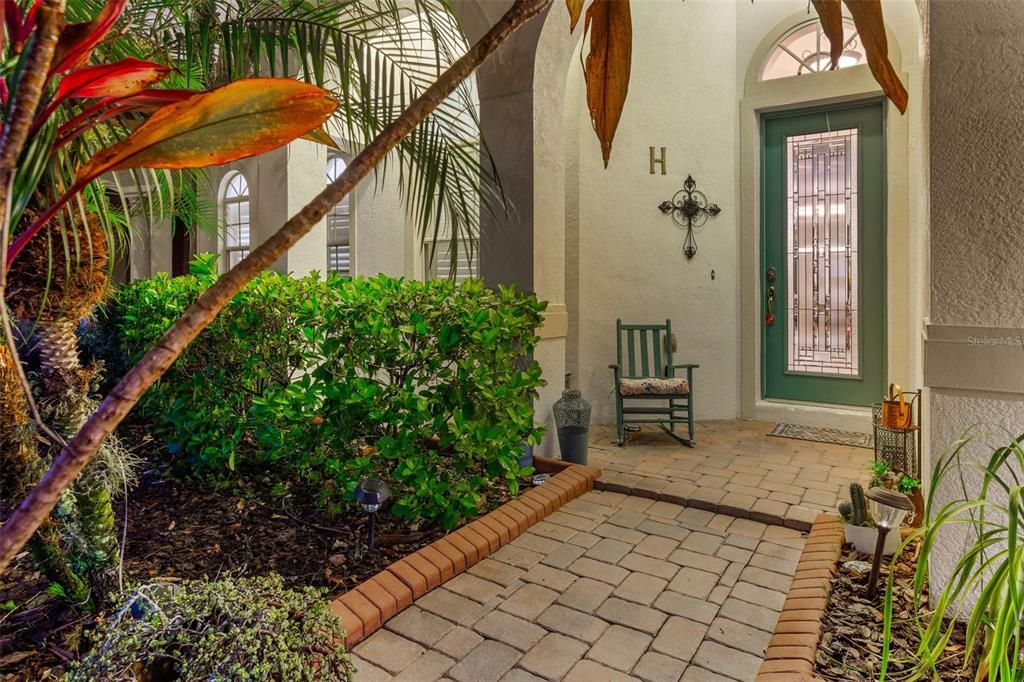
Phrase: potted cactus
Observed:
(860, 527)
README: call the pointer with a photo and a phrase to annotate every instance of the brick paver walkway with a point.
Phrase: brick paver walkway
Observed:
(611, 587)
(736, 468)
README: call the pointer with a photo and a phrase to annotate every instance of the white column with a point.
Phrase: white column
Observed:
(305, 176)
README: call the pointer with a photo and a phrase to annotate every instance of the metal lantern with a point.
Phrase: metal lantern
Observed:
(891, 508)
(572, 419)
(371, 494)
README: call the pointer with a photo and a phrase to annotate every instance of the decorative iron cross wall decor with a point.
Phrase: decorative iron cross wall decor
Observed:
(689, 208)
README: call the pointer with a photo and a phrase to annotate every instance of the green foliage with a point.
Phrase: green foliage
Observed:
(425, 384)
(860, 505)
(984, 587)
(907, 485)
(884, 476)
(244, 629)
(254, 345)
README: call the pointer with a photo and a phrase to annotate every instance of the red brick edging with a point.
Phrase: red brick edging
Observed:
(366, 607)
(794, 644)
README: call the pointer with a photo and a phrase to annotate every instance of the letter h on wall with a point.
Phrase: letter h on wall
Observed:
(659, 160)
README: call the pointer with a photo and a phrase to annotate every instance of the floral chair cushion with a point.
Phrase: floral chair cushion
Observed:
(653, 386)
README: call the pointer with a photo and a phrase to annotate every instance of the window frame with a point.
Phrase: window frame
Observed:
(851, 40)
(225, 201)
(348, 201)
(431, 266)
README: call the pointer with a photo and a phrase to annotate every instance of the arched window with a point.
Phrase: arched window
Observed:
(235, 207)
(339, 225)
(805, 49)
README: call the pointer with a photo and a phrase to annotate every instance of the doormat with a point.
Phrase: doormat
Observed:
(820, 435)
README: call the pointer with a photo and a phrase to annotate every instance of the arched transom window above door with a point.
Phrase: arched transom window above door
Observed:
(805, 49)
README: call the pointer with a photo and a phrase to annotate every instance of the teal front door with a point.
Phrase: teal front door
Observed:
(823, 255)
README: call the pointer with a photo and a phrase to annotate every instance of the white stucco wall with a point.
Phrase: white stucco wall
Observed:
(304, 178)
(149, 248)
(631, 264)
(384, 241)
(977, 170)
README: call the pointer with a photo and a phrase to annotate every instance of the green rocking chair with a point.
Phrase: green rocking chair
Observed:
(642, 376)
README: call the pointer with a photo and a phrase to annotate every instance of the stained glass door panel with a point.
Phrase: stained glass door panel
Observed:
(821, 250)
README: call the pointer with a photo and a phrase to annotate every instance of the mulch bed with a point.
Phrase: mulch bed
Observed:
(41, 632)
(184, 529)
(852, 627)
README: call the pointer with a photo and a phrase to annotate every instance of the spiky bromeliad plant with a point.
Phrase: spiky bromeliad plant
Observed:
(61, 112)
(986, 585)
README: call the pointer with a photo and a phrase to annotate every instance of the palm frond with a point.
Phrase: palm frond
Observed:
(375, 55)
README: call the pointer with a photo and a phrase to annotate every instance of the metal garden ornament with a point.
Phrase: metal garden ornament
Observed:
(689, 208)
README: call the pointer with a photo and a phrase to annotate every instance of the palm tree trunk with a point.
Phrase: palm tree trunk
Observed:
(86, 443)
(67, 403)
(50, 21)
(57, 345)
(49, 556)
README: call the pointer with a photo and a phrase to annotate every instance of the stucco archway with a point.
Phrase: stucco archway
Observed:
(906, 208)
(522, 100)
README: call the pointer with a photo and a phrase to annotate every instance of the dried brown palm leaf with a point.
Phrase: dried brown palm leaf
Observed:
(61, 274)
(867, 17)
(575, 8)
(831, 14)
(606, 69)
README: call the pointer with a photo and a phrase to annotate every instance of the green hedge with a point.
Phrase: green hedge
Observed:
(427, 385)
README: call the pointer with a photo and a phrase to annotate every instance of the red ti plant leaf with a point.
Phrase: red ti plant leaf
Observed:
(118, 80)
(19, 28)
(831, 14)
(237, 120)
(606, 70)
(321, 136)
(77, 41)
(867, 16)
(146, 101)
(151, 100)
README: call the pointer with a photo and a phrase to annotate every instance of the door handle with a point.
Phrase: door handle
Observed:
(769, 316)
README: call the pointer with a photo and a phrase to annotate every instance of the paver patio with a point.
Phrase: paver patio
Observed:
(610, 587)
(736, 468)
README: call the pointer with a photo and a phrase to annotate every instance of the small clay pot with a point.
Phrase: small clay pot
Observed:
(917, 498)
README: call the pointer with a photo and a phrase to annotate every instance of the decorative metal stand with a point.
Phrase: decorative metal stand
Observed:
(689, 208)
(900, 448)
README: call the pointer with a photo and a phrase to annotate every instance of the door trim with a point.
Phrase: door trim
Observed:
(907, 217)
(880, 105)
